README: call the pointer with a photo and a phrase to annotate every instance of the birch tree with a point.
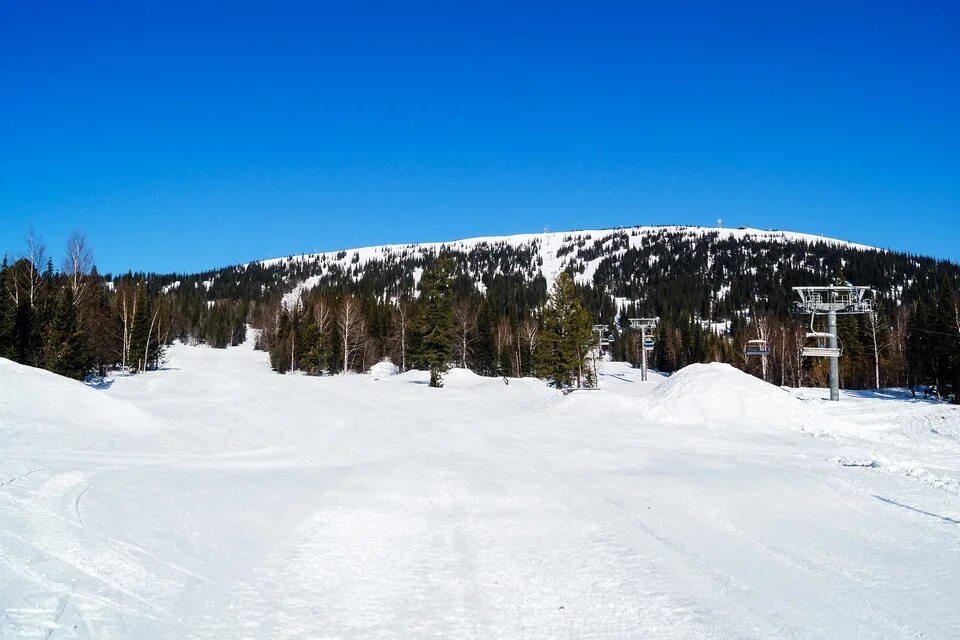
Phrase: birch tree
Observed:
(877, 347)
(465, 321)
(77, 263)
(350, 322)
(401, 313)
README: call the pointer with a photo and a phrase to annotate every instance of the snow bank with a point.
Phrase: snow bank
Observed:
(719, 394)
(33, 398)
(384, 369)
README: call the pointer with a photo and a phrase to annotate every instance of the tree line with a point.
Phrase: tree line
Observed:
(490, 310)
(73, 321)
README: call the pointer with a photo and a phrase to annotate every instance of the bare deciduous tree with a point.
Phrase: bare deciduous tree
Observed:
(77, 263)
(402, 322)
(877, 347)
(529, 333)
(465, 321)
(28, 279)
(127, 309)
(352, 329)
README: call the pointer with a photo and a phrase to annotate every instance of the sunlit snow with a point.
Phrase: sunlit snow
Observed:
(216, 499)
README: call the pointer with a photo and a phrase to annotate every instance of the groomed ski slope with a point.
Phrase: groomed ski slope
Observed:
(216, 499)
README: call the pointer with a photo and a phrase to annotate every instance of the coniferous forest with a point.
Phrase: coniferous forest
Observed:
(487, 307)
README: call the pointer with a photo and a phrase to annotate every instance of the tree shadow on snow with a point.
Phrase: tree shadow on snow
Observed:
(914, 509)
(893, 394)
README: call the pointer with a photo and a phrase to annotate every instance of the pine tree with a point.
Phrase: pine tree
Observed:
(66, 348)
(566, 336)
(436, 319)
(140, 330)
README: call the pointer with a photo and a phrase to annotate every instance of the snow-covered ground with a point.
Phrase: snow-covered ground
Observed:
(216, 499)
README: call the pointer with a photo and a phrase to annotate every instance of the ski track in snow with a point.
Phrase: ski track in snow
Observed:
(262, 506)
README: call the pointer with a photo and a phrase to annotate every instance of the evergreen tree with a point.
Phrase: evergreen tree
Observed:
(853, 364)
(66, 348)
(436, 319)
(99, 324)
(947, 341)
(566, 336)
(25, 333)
(140, 331)
(484, 347)
(7, 312)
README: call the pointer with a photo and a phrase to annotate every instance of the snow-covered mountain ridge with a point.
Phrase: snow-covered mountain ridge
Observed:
(547, 253)
(557, 248)
(706, 272)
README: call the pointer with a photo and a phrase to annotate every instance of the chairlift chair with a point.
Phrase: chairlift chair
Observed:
(756, 348)
(820, 348)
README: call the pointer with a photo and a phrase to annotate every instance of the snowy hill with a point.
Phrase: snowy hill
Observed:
(528, 255)
(371, 506)
(548, 253)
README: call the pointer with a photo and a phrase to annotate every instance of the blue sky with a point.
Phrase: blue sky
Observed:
(180, 137)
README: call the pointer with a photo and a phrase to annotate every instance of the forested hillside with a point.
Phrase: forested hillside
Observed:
(712, 289)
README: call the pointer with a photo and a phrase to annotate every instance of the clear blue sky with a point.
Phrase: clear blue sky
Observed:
(188, 136)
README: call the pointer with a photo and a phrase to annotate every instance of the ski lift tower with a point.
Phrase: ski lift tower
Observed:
(603, 340)
(643, 325)
(830, 301)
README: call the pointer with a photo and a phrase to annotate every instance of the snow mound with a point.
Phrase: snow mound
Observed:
(721, 395)
(458, 376)
(34, 398)
(384, 369)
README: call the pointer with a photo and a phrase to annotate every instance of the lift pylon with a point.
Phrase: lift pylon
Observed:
(643, 325)
(831, 301)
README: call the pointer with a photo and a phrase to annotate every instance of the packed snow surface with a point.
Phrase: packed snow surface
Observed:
(216, 499)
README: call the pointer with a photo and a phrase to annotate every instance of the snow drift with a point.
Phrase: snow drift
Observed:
(721, 395)
(35, 398)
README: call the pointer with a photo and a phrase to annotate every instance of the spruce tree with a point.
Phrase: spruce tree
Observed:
(853, 363)
(140, 330)
(100, 325)
(436, 319)
(484, 348)
(566, 337)
(66, 348)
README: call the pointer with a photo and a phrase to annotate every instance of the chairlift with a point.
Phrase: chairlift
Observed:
(603, 335)
(820, 348)
(756, 348)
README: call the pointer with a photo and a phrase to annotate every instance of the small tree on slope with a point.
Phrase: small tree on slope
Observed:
(566, 337)
(436, 320)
